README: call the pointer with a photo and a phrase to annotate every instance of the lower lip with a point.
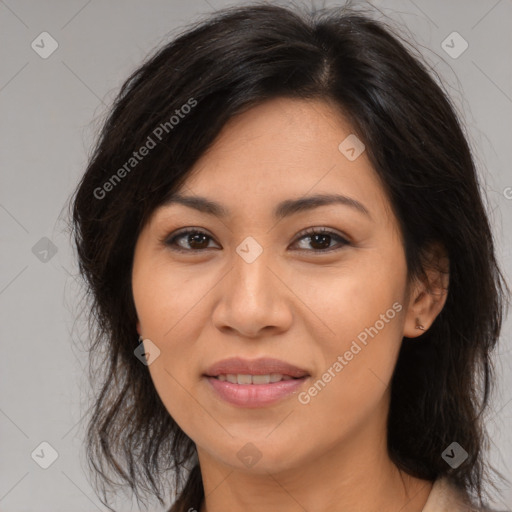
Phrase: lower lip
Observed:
(255, 395)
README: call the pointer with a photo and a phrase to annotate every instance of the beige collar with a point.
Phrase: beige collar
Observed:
(445, 497)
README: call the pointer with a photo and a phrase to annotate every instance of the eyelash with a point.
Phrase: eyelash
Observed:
(170, 242)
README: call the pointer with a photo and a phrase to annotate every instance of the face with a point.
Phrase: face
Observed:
(319, 287)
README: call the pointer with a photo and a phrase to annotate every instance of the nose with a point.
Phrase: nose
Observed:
(254, 301)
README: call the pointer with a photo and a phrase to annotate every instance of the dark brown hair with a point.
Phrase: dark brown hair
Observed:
(225, 65)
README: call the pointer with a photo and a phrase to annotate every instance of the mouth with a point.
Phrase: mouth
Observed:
(244, 379)
(254, 383)
(263, 367)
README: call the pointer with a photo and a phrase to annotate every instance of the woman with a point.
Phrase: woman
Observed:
(293, 277)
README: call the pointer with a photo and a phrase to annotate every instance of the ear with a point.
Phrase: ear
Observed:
(138, 327)
(427, 295)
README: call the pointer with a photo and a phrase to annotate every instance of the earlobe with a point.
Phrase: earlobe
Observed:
(416, 316)
(429, 293)
(418, 325)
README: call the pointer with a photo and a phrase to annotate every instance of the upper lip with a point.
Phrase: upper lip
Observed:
(261, 366)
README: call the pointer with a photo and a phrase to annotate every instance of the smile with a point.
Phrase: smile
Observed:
(253, 379)
(242, 391)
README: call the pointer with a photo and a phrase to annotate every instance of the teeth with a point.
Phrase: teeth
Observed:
(244, 379)
(261, 379)
(253, 379)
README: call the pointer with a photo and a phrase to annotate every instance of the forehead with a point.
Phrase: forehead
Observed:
(281, 149)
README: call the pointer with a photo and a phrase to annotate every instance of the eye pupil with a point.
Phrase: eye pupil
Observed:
(315, 238)
(196, 238)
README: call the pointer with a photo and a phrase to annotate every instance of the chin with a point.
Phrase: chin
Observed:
(260, 456)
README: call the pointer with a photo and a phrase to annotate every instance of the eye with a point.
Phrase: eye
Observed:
(196, 240)
(322, 237)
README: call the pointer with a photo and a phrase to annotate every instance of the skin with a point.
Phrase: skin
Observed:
(293, 303)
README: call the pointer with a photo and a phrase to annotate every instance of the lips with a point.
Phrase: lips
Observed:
(253, 379)
(265, 366)
(255, 383)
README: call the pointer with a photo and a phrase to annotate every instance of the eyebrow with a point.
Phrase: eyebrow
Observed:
(284, 209)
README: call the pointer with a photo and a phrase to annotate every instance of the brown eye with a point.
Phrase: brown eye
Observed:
(321, 238)
(196, 240)
(189, 241)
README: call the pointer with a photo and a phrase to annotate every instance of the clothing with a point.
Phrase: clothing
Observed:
(445, 497)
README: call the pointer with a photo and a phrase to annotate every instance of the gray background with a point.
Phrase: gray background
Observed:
(51, 109)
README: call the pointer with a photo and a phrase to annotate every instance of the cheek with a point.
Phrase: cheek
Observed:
(170, 315)
(167, 316)
(173, 373)
(166, 298)
(342, 304)
(351, 388)
(361, 319)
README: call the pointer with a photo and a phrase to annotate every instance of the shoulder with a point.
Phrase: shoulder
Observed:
(446, 497)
